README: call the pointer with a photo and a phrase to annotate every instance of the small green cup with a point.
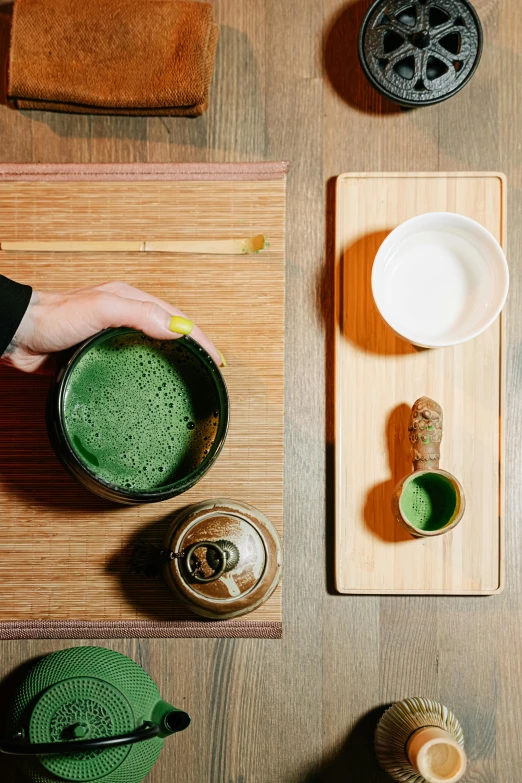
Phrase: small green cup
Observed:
(430, 502)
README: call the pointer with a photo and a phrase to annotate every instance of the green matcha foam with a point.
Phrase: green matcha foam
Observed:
(140, 413)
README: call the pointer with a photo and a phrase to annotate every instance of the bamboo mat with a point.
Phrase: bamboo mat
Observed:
(64, 553)
(379, 377)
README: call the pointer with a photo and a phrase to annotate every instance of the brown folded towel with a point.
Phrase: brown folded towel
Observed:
(139, 57)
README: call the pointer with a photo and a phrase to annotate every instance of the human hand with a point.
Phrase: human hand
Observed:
(54, 322)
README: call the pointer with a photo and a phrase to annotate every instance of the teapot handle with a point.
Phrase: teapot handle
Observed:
(16, 746)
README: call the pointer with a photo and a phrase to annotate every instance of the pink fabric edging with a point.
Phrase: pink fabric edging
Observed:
(140, 629)
(109, 172)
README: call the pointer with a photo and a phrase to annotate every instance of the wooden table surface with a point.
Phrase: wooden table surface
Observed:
(287, 85)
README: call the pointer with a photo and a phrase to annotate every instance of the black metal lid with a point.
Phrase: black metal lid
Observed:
(420, 52)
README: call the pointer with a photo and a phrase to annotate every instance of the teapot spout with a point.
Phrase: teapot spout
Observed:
(169, 718)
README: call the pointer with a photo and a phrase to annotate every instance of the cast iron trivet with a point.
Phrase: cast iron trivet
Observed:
(421, 52)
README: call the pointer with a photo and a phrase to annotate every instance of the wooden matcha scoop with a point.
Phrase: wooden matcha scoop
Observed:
(430, 501)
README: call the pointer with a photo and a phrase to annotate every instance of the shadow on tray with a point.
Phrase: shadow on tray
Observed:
(360, 321)
(377, 510)
(355, 761)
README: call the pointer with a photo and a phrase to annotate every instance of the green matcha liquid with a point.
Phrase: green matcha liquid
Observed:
(139, 413)
(428, 501)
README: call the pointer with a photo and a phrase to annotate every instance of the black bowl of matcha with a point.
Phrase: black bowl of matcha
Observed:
(138, 420)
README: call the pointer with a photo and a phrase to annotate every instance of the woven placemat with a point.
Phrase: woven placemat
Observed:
(64, 553)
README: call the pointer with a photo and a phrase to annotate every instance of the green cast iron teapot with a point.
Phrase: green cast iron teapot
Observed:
(88, 713)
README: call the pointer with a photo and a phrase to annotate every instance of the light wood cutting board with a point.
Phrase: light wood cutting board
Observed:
(379, 377)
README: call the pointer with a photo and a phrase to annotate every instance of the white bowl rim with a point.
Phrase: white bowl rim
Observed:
(425, 218)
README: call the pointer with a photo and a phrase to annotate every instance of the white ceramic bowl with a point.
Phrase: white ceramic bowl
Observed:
(440, 279)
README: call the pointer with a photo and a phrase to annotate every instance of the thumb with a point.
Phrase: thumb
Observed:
(147, 317)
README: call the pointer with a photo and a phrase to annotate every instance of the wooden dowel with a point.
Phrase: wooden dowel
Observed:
(71, 246)
(210, 247)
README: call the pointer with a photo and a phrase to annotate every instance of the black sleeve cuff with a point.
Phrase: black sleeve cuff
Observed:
(14, 301)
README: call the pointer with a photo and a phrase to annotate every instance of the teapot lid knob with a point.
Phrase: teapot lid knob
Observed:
(81, 708)
(80, 730)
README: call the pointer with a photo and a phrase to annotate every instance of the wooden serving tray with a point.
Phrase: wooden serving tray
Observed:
(65, 553)
(379, 377)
